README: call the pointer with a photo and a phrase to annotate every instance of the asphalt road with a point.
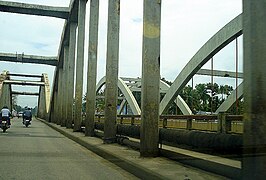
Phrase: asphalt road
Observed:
(39, 152)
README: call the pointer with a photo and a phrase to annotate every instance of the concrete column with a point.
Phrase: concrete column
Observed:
(64, 86)
(47, 93)
(55, 106)
(57, 100)
(112, 71)
(60, 95)
(254, 39)
(53, 102)
(6, 96)
(224, 126)
(79, 65)
(150, 90)
(71, 73)
(92, 68)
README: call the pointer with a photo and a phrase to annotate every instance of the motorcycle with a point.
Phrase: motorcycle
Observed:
(4, 124)
(27, 122)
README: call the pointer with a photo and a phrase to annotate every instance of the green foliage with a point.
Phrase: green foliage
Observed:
(206, 97)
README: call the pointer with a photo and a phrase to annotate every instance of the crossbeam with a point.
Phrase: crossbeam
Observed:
(24, 93)
(22, 58)
(25, 75)
(27, 83)
(34, 9)
(219, 73)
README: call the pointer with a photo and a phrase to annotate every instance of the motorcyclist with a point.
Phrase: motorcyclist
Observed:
(5, 114)
(27, 114)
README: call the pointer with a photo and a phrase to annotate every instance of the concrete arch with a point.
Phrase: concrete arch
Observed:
(163, 86)
(179, 101)
(218, 41)
(127, 93)
(231, 99)
(44, 98)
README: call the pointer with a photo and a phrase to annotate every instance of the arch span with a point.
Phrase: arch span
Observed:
(132, 101)
(127, 93)
(218, 41)
(228, 103)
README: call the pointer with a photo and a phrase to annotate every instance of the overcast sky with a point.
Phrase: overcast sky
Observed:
(185, 26)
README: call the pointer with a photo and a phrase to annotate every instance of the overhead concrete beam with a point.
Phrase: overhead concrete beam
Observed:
(24, 93)
(131, 79)
(22, 58)
(28, 83)
(24, 75)
(218, 73)
(34, 9)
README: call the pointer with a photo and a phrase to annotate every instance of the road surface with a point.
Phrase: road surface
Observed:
(39, 152)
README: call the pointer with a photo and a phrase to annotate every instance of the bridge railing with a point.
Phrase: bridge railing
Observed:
(222, 122)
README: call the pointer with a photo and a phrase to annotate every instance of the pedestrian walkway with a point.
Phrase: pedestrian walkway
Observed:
(130, 160)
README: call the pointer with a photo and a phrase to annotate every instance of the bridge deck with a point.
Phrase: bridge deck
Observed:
(39, 152)
(151, 168)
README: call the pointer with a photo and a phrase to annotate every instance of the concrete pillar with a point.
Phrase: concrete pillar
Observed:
(47, 95)
(6, 96)
(53, 102)
(57, 114)
(150, 90)
(71, 73)
(79, 65)
(64, 86)
(92, 68)
(224, 126)
(111, 71)
(60, 95)
(254, 39)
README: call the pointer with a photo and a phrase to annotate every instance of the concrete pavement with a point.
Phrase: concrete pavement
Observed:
(130, 160)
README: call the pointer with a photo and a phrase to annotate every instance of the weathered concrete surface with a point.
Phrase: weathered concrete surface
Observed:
(70, 74)
(231, 99)
(79, 65)
(34, 9)
(223, 37)
(25, 75)
(25, 93)
(20, 82)
(23, 58)
(163, 89)
(254, 33)
(92, 68)
(126, 92)
(5, 96)
(64, 86)
(219, 73)
(150, 83)
(3, 77)
(112, 58)
(60, 95)
(143, 168)
(44, 99)
(40, 152)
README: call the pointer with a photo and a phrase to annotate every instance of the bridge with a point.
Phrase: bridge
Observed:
(215, 146)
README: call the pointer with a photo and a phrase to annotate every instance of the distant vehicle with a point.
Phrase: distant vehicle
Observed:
(20, 114)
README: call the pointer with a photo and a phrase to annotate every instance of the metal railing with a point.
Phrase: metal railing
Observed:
(222, 122)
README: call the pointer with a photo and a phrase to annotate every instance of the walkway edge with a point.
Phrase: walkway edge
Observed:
(129, 166)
